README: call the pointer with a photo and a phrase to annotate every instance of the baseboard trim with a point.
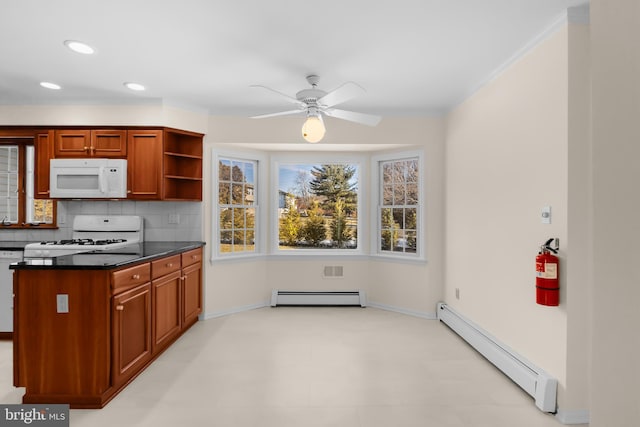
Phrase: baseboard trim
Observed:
(234, 310)
(414, 313)
(580, 416)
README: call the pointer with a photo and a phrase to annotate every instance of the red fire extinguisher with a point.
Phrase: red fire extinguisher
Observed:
(547, 273)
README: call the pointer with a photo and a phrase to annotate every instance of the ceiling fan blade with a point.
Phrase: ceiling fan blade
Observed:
(283, 95)
(281, 113)
(347, 91)
(365, 119)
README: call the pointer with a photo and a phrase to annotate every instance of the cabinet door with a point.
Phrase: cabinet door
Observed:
(191, 294)
(144, 168)
(109, 143)
(166, 310)
(72, 143)
(131, 332)
(44, 152)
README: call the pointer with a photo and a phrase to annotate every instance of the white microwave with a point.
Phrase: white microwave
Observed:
(88, 178)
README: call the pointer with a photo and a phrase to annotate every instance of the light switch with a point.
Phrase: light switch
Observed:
(545, 216)
(62, 303)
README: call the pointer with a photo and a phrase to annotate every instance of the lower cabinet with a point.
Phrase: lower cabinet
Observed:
(131, 332)
(82, 335)
(166, 310)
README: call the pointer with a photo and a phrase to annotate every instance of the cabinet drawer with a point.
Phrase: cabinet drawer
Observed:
(191, 257)
(164, 266)
(130, 277)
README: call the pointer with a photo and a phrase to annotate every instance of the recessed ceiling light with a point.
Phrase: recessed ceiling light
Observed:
(79, 47)
(134, 86)
(50, 85)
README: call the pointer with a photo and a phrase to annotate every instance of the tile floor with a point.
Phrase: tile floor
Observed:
(313, 366)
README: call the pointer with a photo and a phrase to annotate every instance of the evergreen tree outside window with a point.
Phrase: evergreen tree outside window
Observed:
(318, 206)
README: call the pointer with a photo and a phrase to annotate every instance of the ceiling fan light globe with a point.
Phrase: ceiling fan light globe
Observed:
(313, 129)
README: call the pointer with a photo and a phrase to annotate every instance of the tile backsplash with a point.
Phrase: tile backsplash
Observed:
(163, 221)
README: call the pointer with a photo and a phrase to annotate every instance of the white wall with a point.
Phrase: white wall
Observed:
(615, 32)
(507, 154)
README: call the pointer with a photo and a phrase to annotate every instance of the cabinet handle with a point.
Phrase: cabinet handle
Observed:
(86, 148)
(169, 264)
(119, 307)
(194, 256)
(135, 276)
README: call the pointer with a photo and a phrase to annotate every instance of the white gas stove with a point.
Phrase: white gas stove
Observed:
(92, 233)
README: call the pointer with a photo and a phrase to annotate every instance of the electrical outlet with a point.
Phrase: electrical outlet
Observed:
(174, 218)
(62, 303)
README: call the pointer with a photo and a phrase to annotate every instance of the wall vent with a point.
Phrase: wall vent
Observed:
(333, 271)
(281, 297)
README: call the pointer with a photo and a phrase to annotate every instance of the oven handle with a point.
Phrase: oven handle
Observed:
(102, 179)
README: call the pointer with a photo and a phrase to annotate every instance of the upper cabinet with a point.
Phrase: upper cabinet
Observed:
(182, 165)
(162, 163)
(110, 143)
(144, 164)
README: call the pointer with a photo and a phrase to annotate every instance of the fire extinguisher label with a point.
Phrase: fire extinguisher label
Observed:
(547, 270)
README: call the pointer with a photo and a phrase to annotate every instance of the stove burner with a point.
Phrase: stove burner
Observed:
(109, 241)
(82, 242)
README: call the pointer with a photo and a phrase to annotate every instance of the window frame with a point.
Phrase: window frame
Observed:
(259, 178)
(26, 185)
(377, 206)
(318, 158)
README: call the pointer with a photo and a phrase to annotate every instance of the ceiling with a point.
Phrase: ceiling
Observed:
(413, 57)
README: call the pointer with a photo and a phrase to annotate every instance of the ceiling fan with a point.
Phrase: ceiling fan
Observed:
(315, 102)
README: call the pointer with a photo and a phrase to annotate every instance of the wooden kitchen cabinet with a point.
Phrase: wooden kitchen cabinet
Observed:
(43, 144)
(167, 299)
(191, 286)
(82, 335)
(81, 143)
(144, 164)
(131, 332)
(182, 162)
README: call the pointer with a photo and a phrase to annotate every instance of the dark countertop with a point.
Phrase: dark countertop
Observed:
(106, 260)
(13, 245)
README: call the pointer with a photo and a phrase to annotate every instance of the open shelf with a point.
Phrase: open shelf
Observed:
(182, 165)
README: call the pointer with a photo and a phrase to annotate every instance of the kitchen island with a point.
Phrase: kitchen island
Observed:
(85, 325)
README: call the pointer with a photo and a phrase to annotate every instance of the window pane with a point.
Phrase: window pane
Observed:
(412, 171)
(224, 170)
(318, 206)
(398, 195)
(42, 211)
(224, 193)
(236, 194)
(398, 217)
(237, 219)
(9, 183)
(387, 195)
(412, 194)
(398, 224)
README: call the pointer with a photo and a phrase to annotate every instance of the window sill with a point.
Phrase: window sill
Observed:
(28, 226)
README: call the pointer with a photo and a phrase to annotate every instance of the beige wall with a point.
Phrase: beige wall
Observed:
(507, 157)
(615, 35)
(413, 287)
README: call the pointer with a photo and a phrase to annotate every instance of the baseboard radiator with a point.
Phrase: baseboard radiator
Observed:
(540, 385)
(281, 297)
